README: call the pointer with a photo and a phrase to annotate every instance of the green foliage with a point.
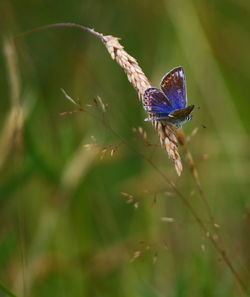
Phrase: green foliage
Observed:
(66, 228)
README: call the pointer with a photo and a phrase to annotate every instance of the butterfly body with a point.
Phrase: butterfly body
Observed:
(170, 103)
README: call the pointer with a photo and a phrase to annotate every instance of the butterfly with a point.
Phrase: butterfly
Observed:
(169, 104)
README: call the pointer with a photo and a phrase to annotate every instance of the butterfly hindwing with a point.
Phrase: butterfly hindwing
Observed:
(182, 113)
(173, 86)
(155, 102)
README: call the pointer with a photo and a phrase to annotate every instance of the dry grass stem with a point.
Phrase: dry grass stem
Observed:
(11, 134)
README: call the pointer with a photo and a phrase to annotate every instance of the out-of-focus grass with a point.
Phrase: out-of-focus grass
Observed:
(66, 228)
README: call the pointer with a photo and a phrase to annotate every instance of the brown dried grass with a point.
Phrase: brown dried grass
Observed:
(140, 82)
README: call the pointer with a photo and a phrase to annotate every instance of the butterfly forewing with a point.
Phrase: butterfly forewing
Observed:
(155, 101)
(173, 86)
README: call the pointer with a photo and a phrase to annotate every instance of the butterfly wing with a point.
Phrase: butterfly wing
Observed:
(173, 86)
(182, 113)
(155, 102)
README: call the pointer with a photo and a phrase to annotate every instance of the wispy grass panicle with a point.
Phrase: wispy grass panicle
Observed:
(212, 235)
(138, 80)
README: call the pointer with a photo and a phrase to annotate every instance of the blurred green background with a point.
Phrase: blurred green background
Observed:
(66, 229)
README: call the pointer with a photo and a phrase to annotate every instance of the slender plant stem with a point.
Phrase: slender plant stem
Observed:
(194, 172)
(56, 25)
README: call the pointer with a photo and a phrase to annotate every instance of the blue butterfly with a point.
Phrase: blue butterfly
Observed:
(170, 103)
